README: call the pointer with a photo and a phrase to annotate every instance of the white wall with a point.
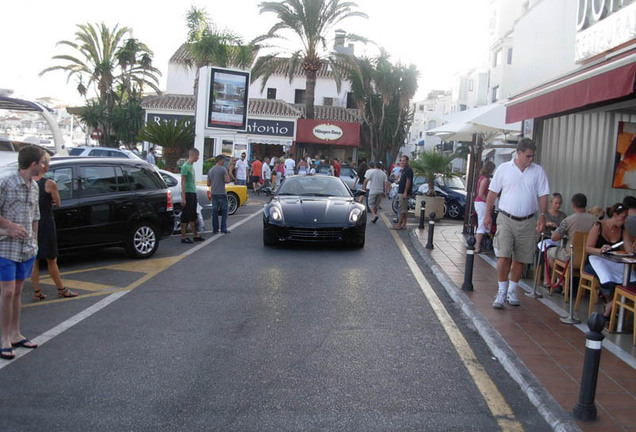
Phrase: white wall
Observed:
(286, 91)
(180, 80)
(543, 46)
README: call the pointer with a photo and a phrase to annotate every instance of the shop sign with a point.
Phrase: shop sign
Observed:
(158, 118)
(270, 127)
(602, 25)
(327, 132)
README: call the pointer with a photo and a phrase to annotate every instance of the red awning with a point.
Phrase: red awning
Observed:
(328, 132)
(604, 82)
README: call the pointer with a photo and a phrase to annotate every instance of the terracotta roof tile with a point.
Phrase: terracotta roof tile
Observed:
(332, 113)
(174, 102)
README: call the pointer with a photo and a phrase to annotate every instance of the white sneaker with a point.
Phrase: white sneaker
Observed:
(512, 298)
(499, 301)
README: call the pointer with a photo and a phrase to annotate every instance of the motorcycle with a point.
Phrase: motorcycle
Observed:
(393, 196)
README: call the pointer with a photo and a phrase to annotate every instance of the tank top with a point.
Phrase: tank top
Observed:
(601, 241)
(481, 179)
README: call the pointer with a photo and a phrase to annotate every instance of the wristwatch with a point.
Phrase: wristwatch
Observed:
(542, 214)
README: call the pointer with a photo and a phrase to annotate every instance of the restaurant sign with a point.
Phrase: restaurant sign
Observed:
(327, 132)
(270, 127)
(602, 25)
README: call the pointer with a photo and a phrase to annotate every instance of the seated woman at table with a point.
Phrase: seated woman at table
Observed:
(602, 236)
(553, 219)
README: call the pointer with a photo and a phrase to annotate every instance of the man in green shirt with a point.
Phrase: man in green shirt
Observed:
(189, 198)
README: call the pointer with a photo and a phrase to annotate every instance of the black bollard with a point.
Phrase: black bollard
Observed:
(470, 259)
(431, 230)
(422, 214)
(585, 410)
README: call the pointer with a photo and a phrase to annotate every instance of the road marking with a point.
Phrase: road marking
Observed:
(156, 266)
(500, 410)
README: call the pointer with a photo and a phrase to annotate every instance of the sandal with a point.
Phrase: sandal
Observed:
(38, 295)
(65, 293)
(10, 354)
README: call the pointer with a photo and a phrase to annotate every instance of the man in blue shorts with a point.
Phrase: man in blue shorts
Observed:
(19, 216)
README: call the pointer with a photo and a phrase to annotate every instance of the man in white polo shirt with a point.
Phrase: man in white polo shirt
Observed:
(521, 183)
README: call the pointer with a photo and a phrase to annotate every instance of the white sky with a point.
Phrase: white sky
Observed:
(441, 37)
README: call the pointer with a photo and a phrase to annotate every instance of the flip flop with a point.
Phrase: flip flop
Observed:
(23, 344)
(7, 356)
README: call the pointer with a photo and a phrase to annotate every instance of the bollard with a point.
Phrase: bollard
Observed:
(422, 214)
(431, 230)
(470, 259)
(585, 410)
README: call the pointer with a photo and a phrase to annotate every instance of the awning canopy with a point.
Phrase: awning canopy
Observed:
(488, 121)
(602, 82)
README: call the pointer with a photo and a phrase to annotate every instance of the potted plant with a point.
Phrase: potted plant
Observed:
(175, 138)
(429, 164)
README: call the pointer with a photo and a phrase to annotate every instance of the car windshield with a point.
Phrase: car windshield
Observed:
(454, 183)
(314, 186)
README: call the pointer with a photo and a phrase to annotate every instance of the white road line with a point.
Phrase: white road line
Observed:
(65, 325)
(498, 406)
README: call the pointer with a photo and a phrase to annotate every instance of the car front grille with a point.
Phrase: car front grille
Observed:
(314, 234)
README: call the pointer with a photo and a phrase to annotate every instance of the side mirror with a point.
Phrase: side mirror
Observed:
(267, 191)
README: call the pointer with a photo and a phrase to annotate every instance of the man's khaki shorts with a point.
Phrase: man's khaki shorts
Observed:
(515, 239)
(375, 200)
(558, 253)
(403, 204)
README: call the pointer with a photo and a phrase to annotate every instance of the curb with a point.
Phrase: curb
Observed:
(548, 407)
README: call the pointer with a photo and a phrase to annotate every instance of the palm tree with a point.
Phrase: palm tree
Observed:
(311, 21)
(430, 163)
(382, 91)
(173, 137)
(209, 46)
(110, 62)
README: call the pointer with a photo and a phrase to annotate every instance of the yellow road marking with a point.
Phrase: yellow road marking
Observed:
(151, 267)
(494, 399)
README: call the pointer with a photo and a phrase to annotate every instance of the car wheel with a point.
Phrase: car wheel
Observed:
(232, 203)
(176, 212)
(142, 240)
(395, 206)
(454, 210)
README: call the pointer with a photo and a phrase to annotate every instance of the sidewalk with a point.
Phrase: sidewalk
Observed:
(542, 354)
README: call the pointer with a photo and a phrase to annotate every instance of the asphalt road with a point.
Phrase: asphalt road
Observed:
(228, 335)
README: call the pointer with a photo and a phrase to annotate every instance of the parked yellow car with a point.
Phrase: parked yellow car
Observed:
(236, 197)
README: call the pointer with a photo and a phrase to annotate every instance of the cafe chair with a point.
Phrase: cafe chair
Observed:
(624, 296)
(562, 267)
(587, 282)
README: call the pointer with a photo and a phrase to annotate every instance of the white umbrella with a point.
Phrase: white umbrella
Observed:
(488, 120)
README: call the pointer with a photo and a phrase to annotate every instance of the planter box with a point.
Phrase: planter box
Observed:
(432, 204)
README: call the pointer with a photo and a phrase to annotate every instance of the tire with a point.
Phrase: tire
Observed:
(454, 210)
(232, 203)
(395, 206)
(142, 241)
(176, 211)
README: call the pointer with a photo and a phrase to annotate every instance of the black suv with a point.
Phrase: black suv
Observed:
(110, 202)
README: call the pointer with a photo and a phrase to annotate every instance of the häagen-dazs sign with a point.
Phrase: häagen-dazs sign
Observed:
(327, 132)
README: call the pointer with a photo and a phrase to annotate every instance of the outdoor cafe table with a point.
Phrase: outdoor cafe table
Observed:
(627, 261)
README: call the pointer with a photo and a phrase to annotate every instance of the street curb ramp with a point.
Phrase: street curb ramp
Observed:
(548, 407)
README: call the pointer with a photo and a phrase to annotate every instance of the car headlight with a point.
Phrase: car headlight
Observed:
(275, 214)
(355, 215)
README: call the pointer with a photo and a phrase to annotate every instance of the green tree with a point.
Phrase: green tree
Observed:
(430, 163)
(311, 21)
(382, 91)
(173, 137)
(109, 64)
(207, 45)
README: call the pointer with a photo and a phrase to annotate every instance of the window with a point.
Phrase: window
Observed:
(420, 108)
(351, 103)
(432, 124)
(64, 179)
(142, 179)
(495, 93)
(271, 93)
(420, 134)
(471, 83)
(97, 180)
(327, 101)
(509, 56)
(496, 60)
(299, 96)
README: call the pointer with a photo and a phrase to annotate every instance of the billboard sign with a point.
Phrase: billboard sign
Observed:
(227, 102)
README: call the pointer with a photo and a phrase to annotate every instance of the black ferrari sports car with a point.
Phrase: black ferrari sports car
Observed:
(314, 208)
